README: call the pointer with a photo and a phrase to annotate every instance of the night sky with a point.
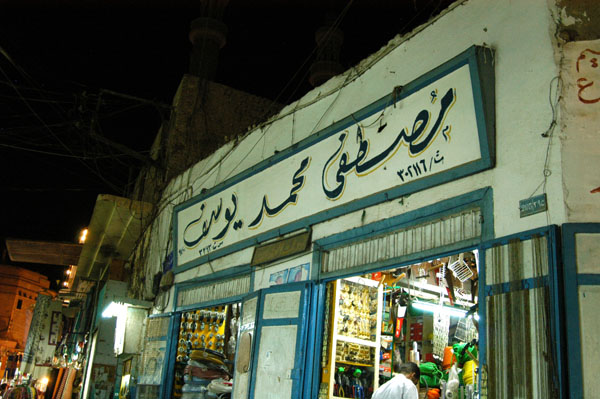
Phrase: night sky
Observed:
(57, 56)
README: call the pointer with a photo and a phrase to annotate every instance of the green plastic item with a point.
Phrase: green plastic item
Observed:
(430, 375)
(460, 350)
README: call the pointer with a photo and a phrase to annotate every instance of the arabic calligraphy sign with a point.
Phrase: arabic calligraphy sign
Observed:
(434, 131)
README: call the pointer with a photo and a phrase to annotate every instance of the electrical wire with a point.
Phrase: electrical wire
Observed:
(55, 153)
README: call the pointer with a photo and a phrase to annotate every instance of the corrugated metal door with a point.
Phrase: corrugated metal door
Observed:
(520, 345)
(581, 245)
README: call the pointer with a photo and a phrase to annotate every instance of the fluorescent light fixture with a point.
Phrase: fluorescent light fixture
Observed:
(432, 307)
(114, 309)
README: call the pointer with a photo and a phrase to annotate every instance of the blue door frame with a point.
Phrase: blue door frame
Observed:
(572, 281)
(168, 375)
(301, 321)
(552, 281)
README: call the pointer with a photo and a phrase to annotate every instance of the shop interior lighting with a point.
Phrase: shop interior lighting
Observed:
(114, 310)
(432, 307)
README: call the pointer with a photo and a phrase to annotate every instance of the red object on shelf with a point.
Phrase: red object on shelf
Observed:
(399, 322)
(429, 357)
(376, 276)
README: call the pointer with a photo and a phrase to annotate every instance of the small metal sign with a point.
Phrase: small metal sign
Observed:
(533, 205)
(280, 249)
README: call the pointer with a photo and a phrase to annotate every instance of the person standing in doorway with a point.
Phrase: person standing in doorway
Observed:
(403, 385)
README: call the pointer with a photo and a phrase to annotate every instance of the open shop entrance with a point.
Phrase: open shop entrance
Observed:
(424, 313)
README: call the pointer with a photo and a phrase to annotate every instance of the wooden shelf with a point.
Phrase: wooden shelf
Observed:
(375, 286)
(359, 341)
(355, 364)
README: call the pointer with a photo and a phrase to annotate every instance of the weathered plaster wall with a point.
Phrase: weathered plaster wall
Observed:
(522, 35)
(580, 137)
(579, 20)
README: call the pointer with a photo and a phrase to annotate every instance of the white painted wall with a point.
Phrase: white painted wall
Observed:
(580, 117)
(522, 35)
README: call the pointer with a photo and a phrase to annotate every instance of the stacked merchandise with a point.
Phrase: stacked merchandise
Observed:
(206, 376)
(207, 340)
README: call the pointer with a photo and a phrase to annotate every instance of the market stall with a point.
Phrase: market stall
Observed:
(425, 313)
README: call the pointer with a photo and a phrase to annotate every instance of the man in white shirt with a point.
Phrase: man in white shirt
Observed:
(403, 385)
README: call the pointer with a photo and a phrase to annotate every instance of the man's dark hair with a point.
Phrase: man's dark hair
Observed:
(407, 368)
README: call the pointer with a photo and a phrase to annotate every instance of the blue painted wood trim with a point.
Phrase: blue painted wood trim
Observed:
(402, 261)
(232, 272)
(555, 274)
(519, 285)
(588, 279)
(301, 321)
(216, 302)
(481, 198)
(522, 236)
(482, 311)
(551, 281)
(480, 61)
(313, 379)
(571, 307)
(168, 374)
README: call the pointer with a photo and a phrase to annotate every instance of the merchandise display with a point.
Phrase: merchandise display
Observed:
(205, 352)
(424, 313)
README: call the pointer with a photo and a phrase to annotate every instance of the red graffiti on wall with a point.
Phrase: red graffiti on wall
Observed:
(584, 83)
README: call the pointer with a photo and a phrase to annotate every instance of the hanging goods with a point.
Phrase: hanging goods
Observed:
(469, 372)
(441, 329)
(449, 358)
(460, 269)
(452, 385)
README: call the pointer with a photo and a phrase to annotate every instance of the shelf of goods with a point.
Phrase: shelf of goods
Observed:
(356, 335)
(205, 349)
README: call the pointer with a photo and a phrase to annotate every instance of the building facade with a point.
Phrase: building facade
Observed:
(19, 289)
(454, 167)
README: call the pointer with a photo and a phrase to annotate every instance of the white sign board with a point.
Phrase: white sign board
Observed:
(404, 142)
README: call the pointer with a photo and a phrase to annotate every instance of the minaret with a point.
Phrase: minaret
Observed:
(327, 63)
(208, 35)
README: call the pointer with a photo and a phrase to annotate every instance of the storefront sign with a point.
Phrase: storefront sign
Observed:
(435, 129)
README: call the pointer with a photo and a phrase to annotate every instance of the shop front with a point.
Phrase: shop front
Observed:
(410, 210)
(328, 302)
(485, 315)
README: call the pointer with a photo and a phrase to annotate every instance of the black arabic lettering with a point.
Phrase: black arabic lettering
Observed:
(229, 215)
(417, 142)
(420, 167)
(206, 225)
(297, 184)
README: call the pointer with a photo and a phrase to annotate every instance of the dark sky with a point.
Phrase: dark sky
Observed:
(63, 53)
